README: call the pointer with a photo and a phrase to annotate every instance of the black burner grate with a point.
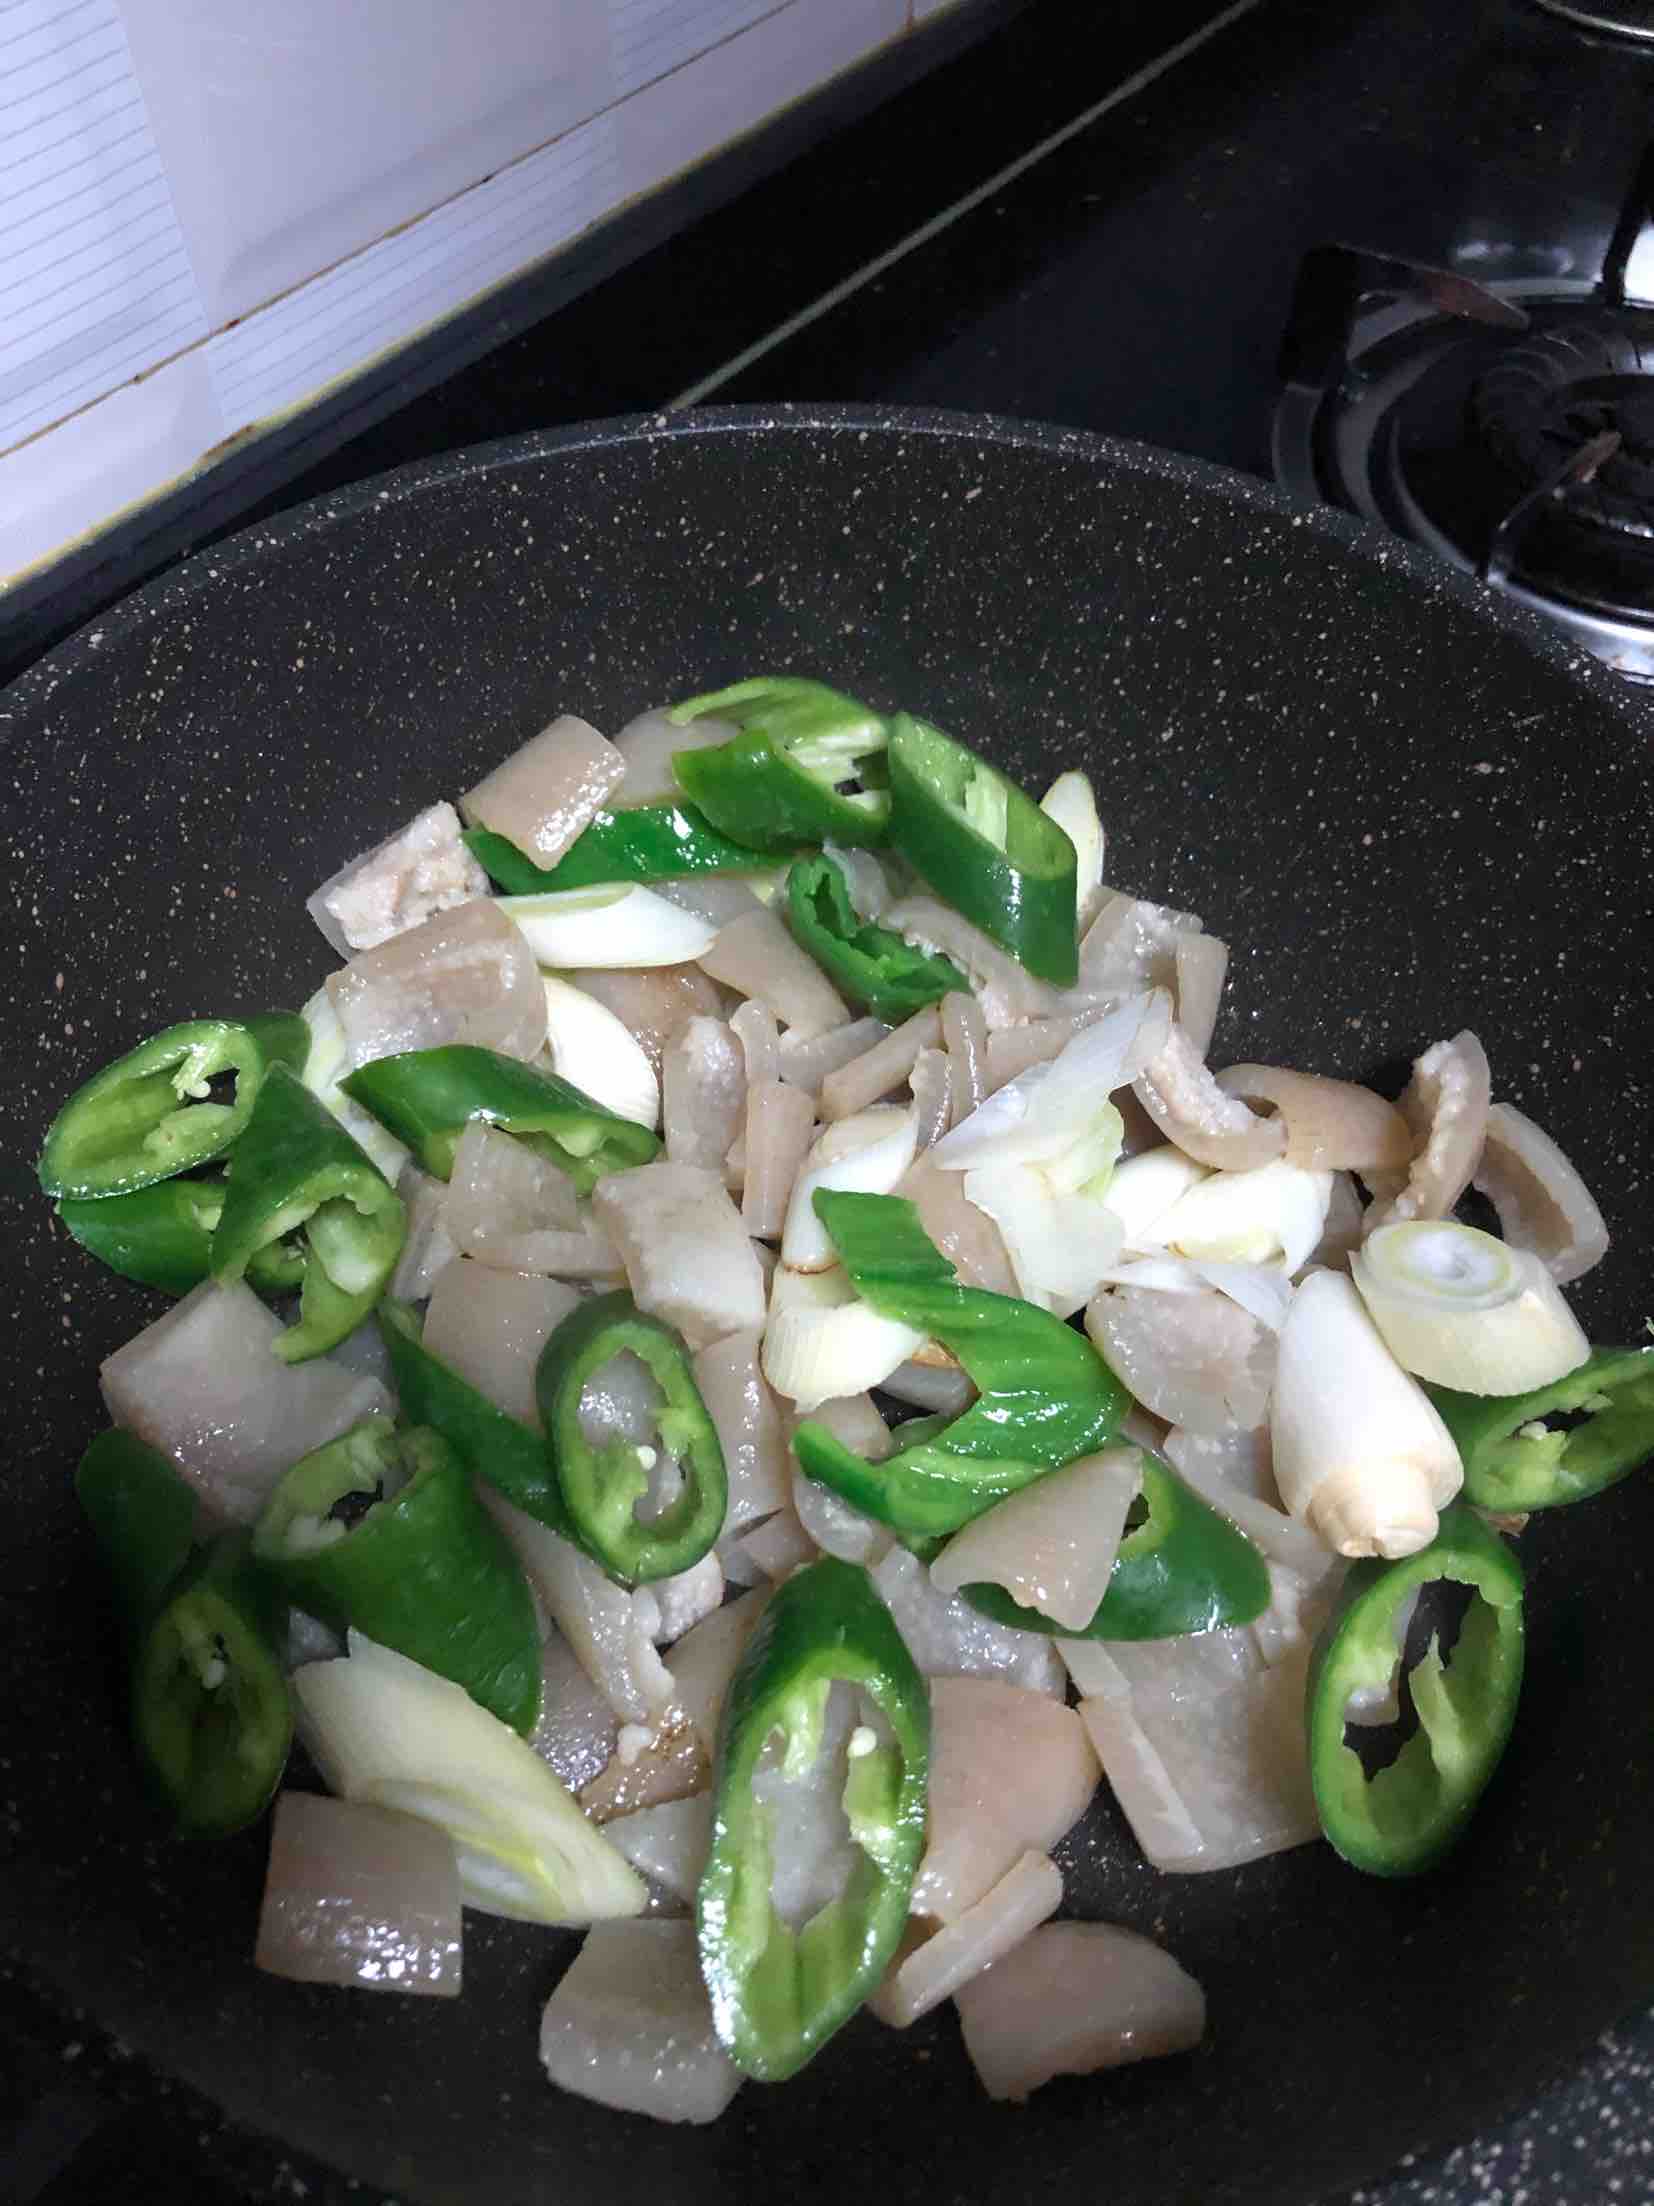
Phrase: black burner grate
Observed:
(1554, 390)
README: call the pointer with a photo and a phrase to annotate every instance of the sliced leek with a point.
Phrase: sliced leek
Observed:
(1464, 1309)
(599, 1053)
(1360, 1455)
(385, 1731)
(1070, 802)
(823, 1341)
(1273, 1214)
(867, 1154)
(619, 925)
(325, 1067)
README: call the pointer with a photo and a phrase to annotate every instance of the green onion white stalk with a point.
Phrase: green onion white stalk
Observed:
(599, 1053)
(617, 925)
(823, 1340)
(1465, 1310)
(866, 1154)
(1070, 802)
(1360, 1454)
(1273, 1214)
(325, 1067)
(385, 1731)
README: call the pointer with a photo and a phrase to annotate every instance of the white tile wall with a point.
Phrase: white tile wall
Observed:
(723, 94)
(296, 132)
(95, 285)
(283, 190)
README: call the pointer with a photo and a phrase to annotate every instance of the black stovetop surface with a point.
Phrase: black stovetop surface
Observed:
(1094, 216)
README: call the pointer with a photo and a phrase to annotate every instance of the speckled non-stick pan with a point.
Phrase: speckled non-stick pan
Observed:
(1406, 808)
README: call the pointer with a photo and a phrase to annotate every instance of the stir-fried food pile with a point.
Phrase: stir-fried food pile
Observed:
(737, 1359)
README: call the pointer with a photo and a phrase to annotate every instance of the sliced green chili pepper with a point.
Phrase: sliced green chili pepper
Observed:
(1404, 1818)
(142, 1515)
(210, 1708)
(427, 1097)
(778, 1993)
(601, 1485)
(381, 1531)
(1044, 1395)
(777, 784)
(985, 847)
(871, 966)
(161, 1236)
(1514, 1461)
(152, 1112)
(1184, 1569)
(295, 1169)
(650, 842)
(492, 1444)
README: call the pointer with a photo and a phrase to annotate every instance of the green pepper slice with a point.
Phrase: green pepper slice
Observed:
(1185, 1569)
(493, 1445)
(870, 966)
(778, 1993)
(652, 842)
(210, 1707)
(1514, 1462)
(380, 1531)
(1406, 1817)
(296, 1170)
(776, 784)
(142, 1516)
(1044, 1395)
(601, 1485)
(985, 847)
(161, 1236)
(152, 1113)
(427, 1097)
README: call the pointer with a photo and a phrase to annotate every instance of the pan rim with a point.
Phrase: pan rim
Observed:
(258, 542)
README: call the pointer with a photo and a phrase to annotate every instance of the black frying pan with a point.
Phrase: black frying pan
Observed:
(1405, 806)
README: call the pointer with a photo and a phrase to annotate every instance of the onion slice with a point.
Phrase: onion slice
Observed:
(620, 924)
(1273, 1214)
(868, 1154)
(823, 1340)
(383, 1730)
(596, 1050)
(1463, 1309)
(1039, 1117)
(1071, 803)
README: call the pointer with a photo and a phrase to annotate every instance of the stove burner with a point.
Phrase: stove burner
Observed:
(1515, 438)
(1552, 392)
(1630, 18)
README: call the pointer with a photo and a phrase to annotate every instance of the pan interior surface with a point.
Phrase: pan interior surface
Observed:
(1405, 809)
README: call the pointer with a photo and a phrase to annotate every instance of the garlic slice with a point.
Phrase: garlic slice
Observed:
(1463, 1309)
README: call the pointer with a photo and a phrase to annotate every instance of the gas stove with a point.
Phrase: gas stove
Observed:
(1505, 422)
